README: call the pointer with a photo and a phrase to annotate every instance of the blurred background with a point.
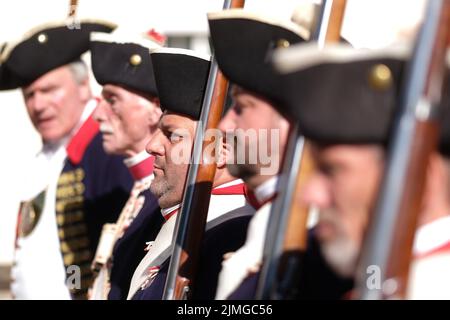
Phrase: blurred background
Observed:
(367, 24)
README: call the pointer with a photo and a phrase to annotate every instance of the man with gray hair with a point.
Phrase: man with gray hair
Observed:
(73, 187)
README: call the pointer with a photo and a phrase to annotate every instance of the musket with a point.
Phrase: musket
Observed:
(73, 6)
(387, 248)
(286, 236)
(191, 220)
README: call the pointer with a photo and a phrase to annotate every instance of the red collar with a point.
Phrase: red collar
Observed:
(81, 140)
(169, 212)
(142, 169)
(236, 189)
(442, 248)
(251, 198)
(167, 216)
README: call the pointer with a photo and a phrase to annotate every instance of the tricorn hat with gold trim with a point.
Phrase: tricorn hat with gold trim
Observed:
(49, 46)
(123, 60)
(243, 46)
(339, 94)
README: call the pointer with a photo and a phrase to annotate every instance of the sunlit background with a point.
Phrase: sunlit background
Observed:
(367, 24)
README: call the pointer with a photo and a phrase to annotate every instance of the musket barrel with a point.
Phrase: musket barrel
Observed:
(191, 220)
(279, 216)
(73, 6)
(327, 29)
(390, 236)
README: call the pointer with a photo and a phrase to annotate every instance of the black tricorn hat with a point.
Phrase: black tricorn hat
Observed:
(342, 95)
(50, 46)
(8, 80)
(243, 46)
(339, 94)
(124, 61)
(181, 76)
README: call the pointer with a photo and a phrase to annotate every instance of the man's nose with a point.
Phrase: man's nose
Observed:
(316, 192)
(100, 111)
(39, 102)
(155, 145)
(227, 123)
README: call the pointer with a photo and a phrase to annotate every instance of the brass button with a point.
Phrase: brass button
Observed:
(283, 43)
(135, 59)
(42, 38)
(380, 77)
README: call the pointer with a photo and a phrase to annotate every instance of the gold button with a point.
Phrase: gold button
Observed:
(283, 43)
(42, 38)
(380, 77)
(135, 60)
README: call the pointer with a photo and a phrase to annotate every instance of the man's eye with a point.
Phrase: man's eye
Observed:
(111, 100)
(49, 89)
(327, 169)
(29, 95)
(237, 108)
(114, 105)
(174, 137)
(331, 170)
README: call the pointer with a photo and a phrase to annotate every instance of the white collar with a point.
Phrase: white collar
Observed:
(266, 190)
(229, 184)
(137, 158)
(432, 235)
(166, 211)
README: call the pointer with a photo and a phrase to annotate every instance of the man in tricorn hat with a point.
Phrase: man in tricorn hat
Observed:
(73, 186)
(349, 124)
(181, 77)
(243, 44)
(128, 114)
